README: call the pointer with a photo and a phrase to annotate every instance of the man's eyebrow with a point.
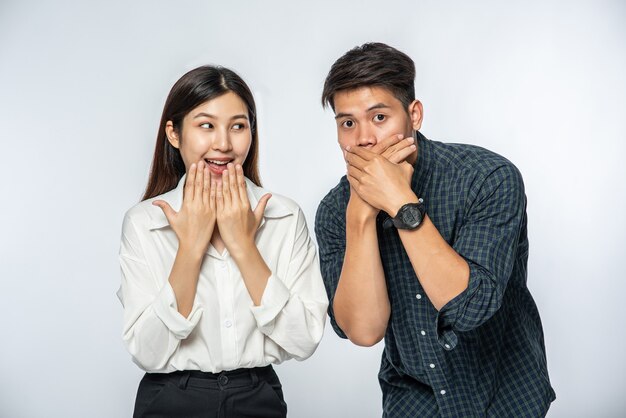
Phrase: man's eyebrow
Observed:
(378, 106)
(208, 115)
(374, 107)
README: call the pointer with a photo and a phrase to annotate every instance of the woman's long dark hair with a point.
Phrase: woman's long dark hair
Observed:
(194, 88)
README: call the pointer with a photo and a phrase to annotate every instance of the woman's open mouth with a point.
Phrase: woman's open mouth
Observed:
(217, 166)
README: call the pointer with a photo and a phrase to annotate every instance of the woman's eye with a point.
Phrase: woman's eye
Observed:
(238, 126)
(379, 118)
(347, 124)
(206, 125)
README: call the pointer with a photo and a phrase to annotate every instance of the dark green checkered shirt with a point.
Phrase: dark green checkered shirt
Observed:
(482, 354)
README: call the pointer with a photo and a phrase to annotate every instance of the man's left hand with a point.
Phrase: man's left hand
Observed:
(380, 182)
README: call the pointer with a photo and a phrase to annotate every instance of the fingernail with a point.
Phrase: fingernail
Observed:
(400, 136)
(410, 140)
(348, 148)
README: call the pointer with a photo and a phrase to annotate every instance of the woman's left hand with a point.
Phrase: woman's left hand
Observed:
(236, 221)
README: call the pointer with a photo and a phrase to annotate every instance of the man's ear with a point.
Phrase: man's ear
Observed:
(416, 114)
(172, 135)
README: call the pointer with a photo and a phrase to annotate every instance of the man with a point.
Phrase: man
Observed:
(424, 243)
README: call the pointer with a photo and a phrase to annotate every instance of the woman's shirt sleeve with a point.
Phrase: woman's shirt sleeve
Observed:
(153, 327)
(293, 307)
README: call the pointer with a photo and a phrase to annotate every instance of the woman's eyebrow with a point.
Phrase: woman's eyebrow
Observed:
(208, 115)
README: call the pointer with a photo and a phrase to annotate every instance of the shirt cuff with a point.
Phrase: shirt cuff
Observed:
(166, 310)
(275, 297)
(450, 313)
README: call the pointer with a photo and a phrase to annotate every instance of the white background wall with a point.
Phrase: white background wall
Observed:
(82, 85)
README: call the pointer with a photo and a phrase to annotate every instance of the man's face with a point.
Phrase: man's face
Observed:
(367, 115)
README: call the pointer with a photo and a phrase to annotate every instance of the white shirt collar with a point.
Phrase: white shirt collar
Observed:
(274, 208)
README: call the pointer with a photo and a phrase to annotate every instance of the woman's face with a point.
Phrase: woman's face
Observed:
(217, 131)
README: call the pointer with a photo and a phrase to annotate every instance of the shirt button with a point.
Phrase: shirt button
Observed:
(432, 366)
(418, 296)
(223, 266)
(223, 379)
(423, 332)
(443, 392)
(227, 323)
(447, 346)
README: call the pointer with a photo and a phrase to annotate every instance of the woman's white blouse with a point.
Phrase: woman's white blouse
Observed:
(224, 330)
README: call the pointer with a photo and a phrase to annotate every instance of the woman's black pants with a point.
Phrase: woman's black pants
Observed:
(242, 393)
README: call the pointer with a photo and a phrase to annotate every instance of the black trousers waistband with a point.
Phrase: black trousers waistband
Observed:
(226, 379)
(255, 392)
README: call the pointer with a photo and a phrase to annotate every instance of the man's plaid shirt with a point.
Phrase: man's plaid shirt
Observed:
(482, 354)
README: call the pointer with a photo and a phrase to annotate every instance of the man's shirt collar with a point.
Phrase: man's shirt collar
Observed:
(422, 166)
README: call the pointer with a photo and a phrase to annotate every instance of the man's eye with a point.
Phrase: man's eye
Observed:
(206, 125)
(379, 117)
(347, 124)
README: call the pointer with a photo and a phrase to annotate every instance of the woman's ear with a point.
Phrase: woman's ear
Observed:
(416, 113)
(172, 135)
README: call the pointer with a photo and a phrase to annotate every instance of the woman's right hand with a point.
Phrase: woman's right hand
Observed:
(195, 222)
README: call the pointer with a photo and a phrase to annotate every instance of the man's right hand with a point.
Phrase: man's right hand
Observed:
(396, 150)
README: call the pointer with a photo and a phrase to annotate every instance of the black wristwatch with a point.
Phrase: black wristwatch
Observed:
(409, 216)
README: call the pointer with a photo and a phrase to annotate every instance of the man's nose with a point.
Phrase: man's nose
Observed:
(367, 138)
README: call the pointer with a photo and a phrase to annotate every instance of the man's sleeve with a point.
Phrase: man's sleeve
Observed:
(330, 231)
(488, 241)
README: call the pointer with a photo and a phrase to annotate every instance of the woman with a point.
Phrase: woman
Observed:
(218, 281)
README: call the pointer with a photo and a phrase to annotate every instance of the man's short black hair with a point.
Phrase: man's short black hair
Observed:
(372, 64)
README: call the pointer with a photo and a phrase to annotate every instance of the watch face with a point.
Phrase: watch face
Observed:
(411, 216)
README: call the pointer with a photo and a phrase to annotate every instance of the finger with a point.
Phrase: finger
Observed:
(406, 142)
(199, 182)
(402, 154)
(219, 195)
(232, 177)
(361, 152)
(166, 208)
(206, 188)
(355, 173)
(189, 181)
(354, 183)
(356, 161)
(383, 145)
(260, 208)
(212, 194)
(241, 183)
(226, 187)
